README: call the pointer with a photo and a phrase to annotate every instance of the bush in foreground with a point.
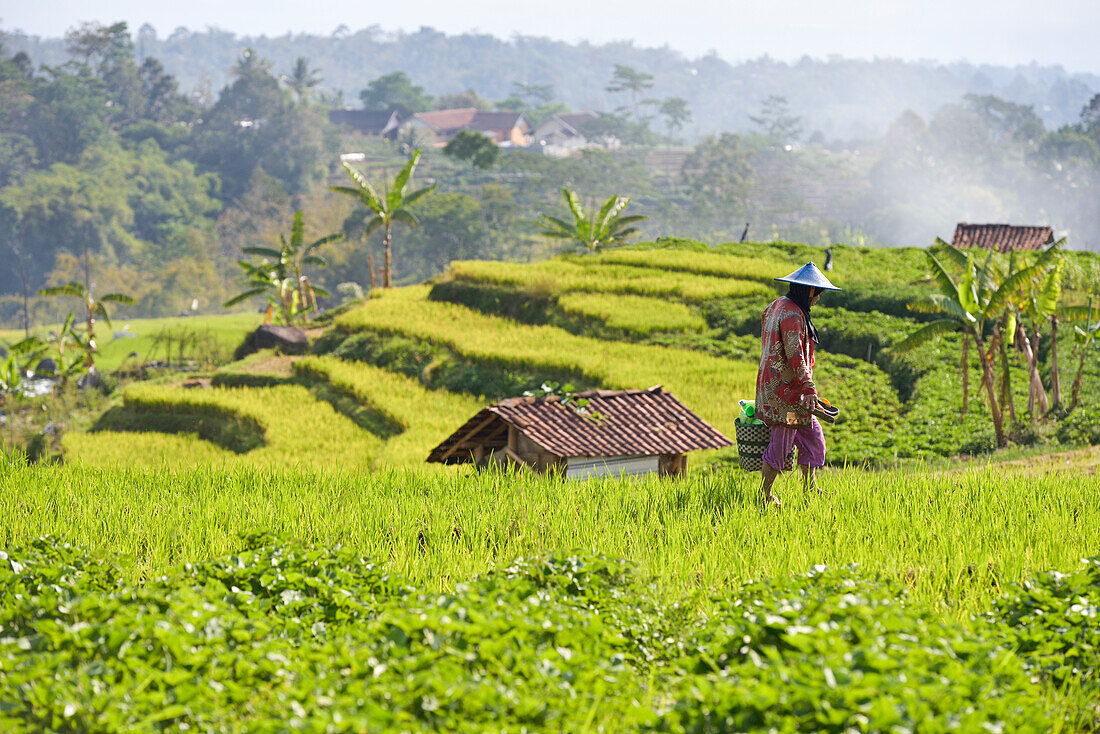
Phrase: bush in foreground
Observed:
(286, 635)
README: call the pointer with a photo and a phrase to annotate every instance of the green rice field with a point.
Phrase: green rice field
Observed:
(260, 547)
(213, 337)
(246, 599)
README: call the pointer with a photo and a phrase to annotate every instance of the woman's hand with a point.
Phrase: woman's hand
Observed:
(809, 400)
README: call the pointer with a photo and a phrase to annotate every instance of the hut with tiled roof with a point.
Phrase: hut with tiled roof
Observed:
(594, 433)
(1002, 237)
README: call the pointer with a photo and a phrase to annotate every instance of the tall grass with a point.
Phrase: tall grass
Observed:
(565, 276)
(425, 417)
(954, 539)
(145, 449)
(704, 383)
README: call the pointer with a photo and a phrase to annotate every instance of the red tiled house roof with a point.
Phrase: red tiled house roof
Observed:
(635, 422)
(486, 121)
(1002, 237)
(448, 120)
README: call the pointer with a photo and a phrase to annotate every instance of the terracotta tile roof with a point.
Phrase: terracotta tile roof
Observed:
(449, 121)
(1002, 237)
(645, 422)
(577, 120)
(498, 121)
(372, 122)
(446, 120)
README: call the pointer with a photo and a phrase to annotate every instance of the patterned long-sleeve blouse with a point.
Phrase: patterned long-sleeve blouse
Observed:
(786, 366)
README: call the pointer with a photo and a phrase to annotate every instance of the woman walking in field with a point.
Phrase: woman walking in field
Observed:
(786, 396)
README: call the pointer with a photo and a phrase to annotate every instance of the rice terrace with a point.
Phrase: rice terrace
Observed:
(364, 449)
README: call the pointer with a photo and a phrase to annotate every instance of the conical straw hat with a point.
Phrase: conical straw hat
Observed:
(809, 275)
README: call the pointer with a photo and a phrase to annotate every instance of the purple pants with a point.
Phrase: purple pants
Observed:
(809, 440)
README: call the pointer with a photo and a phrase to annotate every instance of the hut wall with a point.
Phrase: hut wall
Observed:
(584, 467)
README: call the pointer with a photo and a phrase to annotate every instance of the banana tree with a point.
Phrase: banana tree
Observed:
(1084, 336)
(95, 305)
(11, 390)
(13, 373)
(384, 210)
(68, 347)
(606, 228)
(1038, 304)
(962, 261)
(280, 276)
(972, 304)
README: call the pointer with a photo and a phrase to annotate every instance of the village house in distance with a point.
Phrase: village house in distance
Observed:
(616, 432)
(506, 129)
(560, 135)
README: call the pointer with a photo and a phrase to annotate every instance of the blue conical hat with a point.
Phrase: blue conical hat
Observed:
(809, 275)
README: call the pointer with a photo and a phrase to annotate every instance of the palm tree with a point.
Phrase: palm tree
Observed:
(95, 306)
(302, 78)
(385, 210)
(969, 306)
(280, 276)
(605, 229)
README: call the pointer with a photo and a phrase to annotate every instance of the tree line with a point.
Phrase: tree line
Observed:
(112, 177)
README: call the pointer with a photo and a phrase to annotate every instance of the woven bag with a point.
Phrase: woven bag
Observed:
(752, 442)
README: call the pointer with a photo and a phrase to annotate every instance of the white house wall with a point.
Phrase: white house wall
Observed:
(585, 467)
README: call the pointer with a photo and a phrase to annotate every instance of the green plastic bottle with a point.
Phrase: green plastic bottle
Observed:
(748, 413)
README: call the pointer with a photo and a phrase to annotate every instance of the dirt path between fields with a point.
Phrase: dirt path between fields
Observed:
(277, 365)
(1082, 462)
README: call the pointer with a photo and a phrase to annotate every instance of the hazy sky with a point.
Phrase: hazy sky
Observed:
(1063, 32)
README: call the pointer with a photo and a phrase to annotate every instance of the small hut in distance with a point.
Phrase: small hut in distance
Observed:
(1002, 237)
(618, 432)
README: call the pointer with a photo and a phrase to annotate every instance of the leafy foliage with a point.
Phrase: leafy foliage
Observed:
(285, 632)
(605, 228)
(473, 147)
(280, 276)
(395, 91)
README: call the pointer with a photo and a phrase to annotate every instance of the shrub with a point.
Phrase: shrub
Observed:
(287, 634)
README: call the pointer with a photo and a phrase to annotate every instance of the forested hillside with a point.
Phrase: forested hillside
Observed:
(116, 175)
(843, 98)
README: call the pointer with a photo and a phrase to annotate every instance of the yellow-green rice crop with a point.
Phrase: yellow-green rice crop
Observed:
(704, 383)
(636, 315)
(564, 276)
(147, 449)
(297, 428)
(701, 263)
(424, 416)
(954, 539)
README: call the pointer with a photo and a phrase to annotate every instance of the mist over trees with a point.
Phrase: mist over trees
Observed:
(843, 98)
(104, 150)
